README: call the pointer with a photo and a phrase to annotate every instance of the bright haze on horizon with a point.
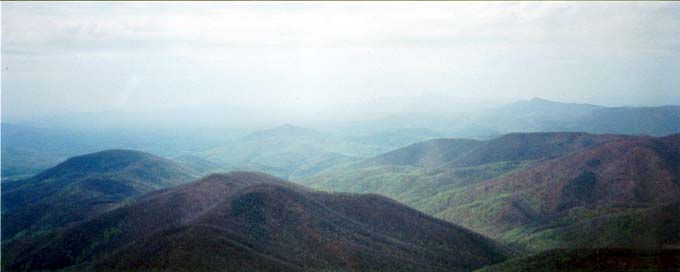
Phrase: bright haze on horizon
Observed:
(306, 58)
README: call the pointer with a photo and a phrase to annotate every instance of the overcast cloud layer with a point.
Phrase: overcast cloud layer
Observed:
(314, 56)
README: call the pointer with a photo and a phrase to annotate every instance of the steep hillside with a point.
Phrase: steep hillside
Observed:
(83, 186)
(255, 222)
(429, 154)
(529, 146)
(418, 171)
(449, 153)
(537, 190)
(652, 228)
(593, 260)
(616, 177)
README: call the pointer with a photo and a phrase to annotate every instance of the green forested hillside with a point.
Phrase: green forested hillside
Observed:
(534, 191)
(593, 260)
(82, 187)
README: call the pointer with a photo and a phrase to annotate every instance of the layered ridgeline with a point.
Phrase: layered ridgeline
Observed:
(294, 152)
(244, 221)
(82, 187)
(30, 148)
(535, 115)
(538, 114)
(535, 190)
(287, 151)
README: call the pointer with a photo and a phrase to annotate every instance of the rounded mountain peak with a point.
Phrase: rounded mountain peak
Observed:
(102, 161)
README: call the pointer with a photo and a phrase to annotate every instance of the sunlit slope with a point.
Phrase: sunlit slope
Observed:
(531, 190)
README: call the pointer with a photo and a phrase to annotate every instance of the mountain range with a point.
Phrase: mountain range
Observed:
(538, 115)
(298, 152)
(255, 222)
(534, 185)
(82, 187)
(535, 191)
(555, 195)
(287, 151)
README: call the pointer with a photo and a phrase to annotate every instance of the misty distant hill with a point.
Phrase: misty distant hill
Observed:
(657, 121)
(296, 152)
(535, 115)
(394, 138)
(255, 222)
(288, 151)
(537, 112)
(542, 115)
(82, 187)
(28, 149)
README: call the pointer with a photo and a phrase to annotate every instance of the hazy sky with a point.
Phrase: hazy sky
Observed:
(144, 56)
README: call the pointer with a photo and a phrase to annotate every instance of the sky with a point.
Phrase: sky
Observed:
(321, 56)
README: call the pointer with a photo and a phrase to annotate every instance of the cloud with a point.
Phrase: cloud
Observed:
(311, 54)
(336, 24)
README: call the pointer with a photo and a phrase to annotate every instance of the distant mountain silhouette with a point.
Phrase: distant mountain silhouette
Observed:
(286, 130)
(295, 152)
(542, 115)
(395, 138)
(656, 121)
(82, 187)
(287, 151)
(255, 222)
